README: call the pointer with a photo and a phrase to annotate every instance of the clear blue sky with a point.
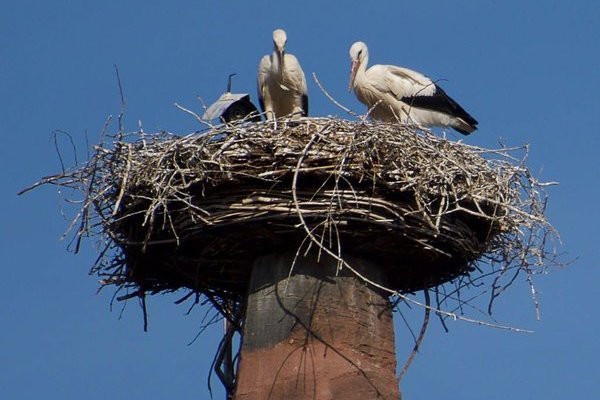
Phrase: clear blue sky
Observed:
(528, 71)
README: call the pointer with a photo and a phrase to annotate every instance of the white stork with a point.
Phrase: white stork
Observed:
(399, 94)
(281, 82)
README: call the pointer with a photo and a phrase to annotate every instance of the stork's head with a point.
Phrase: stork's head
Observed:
(279, 40)
(358, 55)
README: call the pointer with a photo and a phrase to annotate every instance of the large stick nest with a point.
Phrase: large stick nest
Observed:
(194, 212)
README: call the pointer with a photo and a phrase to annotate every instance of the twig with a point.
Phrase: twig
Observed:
(419, 340)
(334, 101)
(123, 104)
(193, 114)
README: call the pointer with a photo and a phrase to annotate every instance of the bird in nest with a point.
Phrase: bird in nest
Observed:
(281, 83)
(397, 94)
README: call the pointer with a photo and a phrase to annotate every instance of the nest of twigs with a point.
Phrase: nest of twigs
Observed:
(194, 212)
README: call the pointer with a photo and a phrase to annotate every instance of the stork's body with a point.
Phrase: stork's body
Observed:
(399, 94)
(281, 82)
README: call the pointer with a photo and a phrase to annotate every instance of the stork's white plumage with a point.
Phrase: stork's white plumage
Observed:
(281, 82)
(399, 94)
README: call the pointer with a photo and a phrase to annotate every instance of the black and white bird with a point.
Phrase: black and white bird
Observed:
(399, 94)
(281, 82)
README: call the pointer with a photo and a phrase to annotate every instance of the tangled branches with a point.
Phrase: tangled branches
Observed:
(193, 212)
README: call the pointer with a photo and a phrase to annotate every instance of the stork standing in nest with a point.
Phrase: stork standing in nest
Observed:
(397, 94)
(281, 82)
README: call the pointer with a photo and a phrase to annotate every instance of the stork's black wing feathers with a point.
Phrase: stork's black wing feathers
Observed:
(261, 102)
(440, 101)
(305, 105)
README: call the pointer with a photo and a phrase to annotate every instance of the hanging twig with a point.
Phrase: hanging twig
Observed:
(419, 340)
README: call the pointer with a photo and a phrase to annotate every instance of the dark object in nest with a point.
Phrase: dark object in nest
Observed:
(194, 212)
